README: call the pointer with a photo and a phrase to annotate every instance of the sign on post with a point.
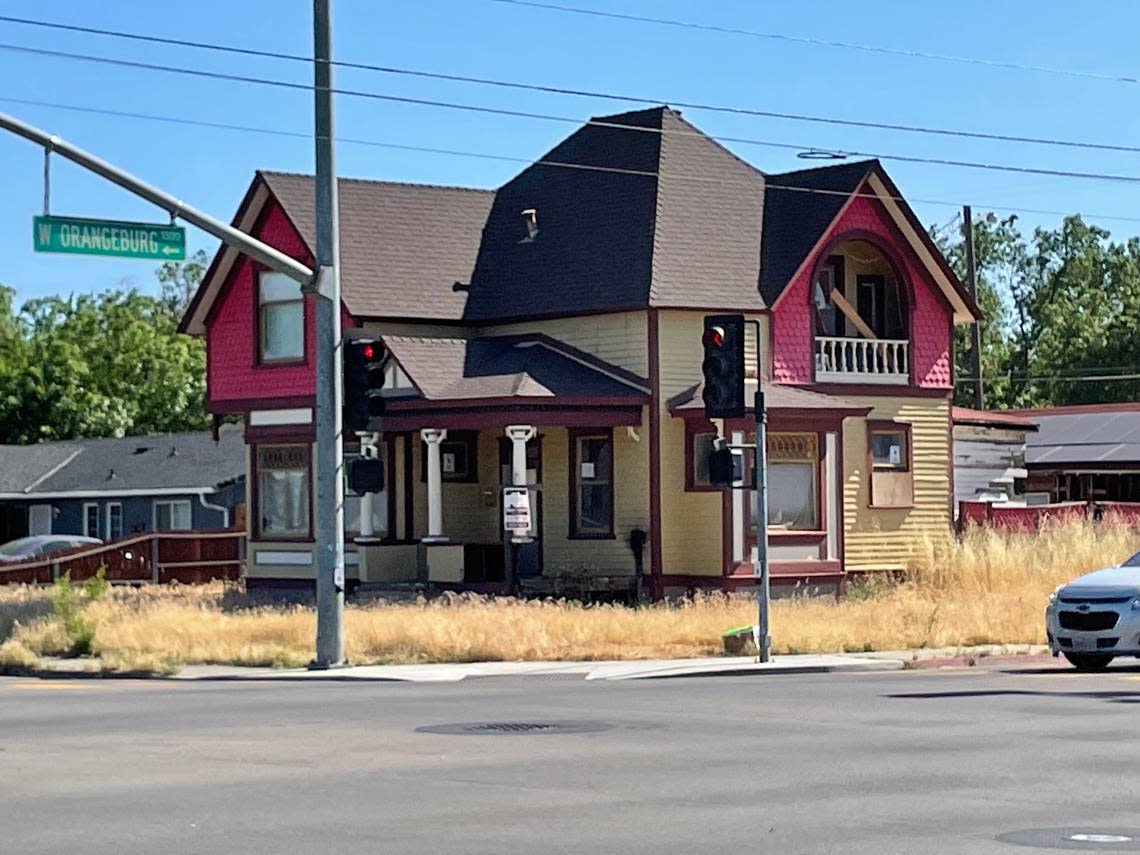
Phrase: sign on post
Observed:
(516, 509)
(109, 237)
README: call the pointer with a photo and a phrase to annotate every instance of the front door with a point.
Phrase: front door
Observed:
(529, 555)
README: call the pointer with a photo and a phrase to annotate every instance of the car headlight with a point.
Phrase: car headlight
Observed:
(1057, 591)
(1135, 604)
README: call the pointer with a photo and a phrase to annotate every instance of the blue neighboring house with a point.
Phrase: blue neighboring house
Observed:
(108, 488)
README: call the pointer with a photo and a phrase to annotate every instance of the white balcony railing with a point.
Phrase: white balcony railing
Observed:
(861, 360)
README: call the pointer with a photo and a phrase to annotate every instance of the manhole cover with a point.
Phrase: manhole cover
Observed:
(507, 728)
(1077, 839)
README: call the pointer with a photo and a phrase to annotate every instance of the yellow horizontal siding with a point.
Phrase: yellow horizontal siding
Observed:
(619, 338)
(886, 538)
(562, 555)
(691, 532)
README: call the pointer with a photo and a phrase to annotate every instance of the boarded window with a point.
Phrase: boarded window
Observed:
(889, 456)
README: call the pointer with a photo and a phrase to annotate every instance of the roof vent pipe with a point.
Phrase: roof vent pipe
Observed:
(530, 218)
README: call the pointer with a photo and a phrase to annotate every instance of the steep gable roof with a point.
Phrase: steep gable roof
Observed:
(403, 247)
(798, 208)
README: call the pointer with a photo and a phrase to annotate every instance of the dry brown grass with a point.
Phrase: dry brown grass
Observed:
(986, 587)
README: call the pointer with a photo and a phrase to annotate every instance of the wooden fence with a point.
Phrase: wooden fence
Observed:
(156, 557)
(1032, 517)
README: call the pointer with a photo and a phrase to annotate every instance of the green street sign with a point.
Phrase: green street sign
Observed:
(108, 237)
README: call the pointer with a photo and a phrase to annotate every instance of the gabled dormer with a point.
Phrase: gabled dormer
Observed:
(859, 294)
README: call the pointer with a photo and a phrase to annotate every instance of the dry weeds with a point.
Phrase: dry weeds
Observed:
(987, 587)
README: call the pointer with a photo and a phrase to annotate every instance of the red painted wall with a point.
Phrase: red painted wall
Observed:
(792, 352)
(231, 350)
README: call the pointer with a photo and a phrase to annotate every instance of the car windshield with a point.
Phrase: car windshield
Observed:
(1134, 561)
(23, 546)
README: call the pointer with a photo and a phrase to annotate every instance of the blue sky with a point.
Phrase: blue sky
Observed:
(211, 168)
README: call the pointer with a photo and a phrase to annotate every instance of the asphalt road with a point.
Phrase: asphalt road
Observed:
(904, 762)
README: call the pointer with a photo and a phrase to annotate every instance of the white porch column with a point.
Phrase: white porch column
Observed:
(433, 437)
(519, 435)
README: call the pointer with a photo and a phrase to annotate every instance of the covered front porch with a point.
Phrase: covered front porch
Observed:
(466, 418)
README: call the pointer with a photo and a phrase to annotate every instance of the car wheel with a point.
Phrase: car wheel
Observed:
(1088, 661)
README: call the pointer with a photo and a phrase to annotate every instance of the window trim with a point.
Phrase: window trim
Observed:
(171, 502)
(254, 512)
(86, 519)
(692, 431)
(889, 426)
(818, 487)
(122, 519)
(470, 439)
(575, 435)
(259, 358)
(838, 264)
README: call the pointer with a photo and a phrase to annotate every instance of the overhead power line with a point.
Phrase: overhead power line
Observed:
(807, 40)
(580, 93)
(478, 108)
(769, 185)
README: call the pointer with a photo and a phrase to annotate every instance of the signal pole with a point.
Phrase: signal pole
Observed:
(326, 289)
(975, 330)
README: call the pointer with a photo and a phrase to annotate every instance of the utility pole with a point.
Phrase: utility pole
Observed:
(760, 478)
(975, 329)
(326, 290)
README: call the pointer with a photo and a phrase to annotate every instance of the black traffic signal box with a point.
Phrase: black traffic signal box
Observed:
(365, 361)
(723, 366)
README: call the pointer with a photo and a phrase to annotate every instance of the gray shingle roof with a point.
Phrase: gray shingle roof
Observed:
(403, 246)
(21, 466)
(161, 462)
(504, 367)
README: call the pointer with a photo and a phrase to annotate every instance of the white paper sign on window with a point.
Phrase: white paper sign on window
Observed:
(448, 463)
(895, 455)
(587, 470)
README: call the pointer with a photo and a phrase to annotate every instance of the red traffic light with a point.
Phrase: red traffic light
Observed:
(368, 351)
(714, 337)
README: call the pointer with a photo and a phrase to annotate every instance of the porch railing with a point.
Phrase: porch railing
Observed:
(862, 360)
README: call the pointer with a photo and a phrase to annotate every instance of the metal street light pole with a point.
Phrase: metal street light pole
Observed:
(330, 459)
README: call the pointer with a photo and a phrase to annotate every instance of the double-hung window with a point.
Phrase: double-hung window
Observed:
(114, 520)
(283, 488)
(91, 519)
(172, 515)
(592, 483)
(793, 481)
(281, 318)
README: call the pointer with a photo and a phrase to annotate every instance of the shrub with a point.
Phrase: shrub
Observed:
(68, 605)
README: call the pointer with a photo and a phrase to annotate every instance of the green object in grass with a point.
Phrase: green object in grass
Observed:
(737, 630)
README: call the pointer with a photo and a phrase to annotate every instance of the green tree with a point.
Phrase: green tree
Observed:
(109, 364)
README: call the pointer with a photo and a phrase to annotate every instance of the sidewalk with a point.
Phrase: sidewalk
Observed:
(636, 669)
(602, 670)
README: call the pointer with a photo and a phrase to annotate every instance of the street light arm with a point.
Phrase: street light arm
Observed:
(224, 232)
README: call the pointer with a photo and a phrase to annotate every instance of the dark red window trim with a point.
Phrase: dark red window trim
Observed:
(470, 441)
(576, 434)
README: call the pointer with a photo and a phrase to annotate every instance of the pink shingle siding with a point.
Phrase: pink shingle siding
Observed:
(231, 350)
(930, 336)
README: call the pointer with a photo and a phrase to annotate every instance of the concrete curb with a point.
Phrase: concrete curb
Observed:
(632, 669)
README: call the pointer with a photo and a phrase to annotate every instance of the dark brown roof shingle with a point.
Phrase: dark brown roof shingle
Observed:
(403, 246)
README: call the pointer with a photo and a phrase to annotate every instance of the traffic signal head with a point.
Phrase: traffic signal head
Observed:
(723, 366)
(365, 362)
